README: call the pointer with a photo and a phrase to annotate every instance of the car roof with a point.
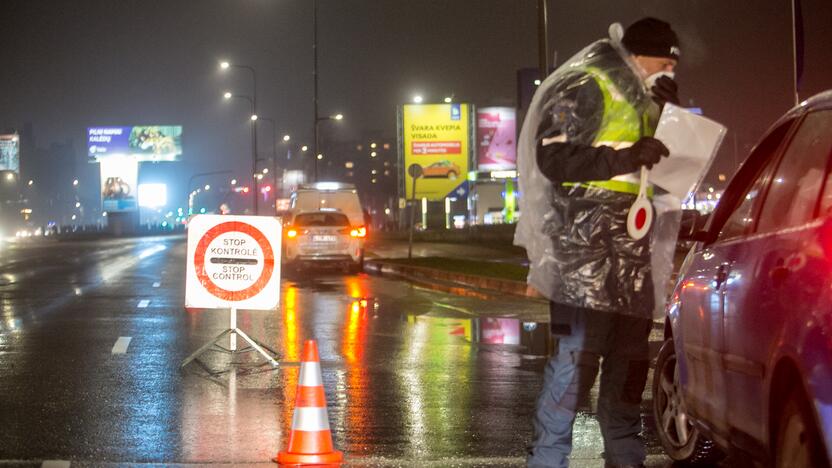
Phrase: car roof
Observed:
(819, 101)
(326, 187)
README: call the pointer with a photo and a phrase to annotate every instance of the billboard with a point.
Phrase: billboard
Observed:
(496, 139)
(119, 177)
(437, 137)
(9, 153)
(142, 143)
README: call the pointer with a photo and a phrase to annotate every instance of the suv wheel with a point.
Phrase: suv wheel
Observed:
(677, 433)
(798, 440)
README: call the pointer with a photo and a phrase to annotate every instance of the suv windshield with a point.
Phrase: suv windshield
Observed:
(321, 219)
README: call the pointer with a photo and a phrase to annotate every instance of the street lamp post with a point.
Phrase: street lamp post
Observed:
(191, 193)
(274, 153)
(227, 65)
(315, 81)
(318, 120)
(224, 66)
(254, 117)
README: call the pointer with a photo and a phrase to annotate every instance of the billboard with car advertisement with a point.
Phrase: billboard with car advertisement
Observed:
(496, 139)
(141, 143)
(437, 137)
(119, 177)
(10, 153)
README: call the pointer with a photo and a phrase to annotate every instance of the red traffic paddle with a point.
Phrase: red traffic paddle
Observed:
(640, 217)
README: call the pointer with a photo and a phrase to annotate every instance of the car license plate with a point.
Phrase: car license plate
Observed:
(324, 238)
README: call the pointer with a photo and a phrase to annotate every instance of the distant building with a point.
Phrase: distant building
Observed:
(371, 164)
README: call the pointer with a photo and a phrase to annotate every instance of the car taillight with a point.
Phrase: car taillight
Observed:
(291, 233)
(359, 232)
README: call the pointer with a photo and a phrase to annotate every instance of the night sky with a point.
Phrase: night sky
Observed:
(67, 65)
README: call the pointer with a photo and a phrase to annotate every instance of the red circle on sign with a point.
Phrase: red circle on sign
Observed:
(641, 218)
(268, 261)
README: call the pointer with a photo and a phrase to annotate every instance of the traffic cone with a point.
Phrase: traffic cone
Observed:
(310, 442)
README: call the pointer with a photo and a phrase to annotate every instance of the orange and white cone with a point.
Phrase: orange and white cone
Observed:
(310, 442)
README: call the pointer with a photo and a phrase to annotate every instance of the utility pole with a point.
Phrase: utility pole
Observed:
(315, 83)
(542, 39)
(797, 49)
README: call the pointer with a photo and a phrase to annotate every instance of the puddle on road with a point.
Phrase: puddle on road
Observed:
(531, 337)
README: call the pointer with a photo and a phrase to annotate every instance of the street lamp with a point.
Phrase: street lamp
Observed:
(286, 138)
(315, 149)
(193, 193)
(253, 118)
(417, 99)
(274, 150)
(225, 65)
(75, 182)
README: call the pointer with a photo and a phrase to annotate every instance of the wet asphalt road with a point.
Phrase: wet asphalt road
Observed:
(92, 335)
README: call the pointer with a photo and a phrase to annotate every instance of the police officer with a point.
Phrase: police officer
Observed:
(583, 143)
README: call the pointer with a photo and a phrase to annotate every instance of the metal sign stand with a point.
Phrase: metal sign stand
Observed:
(415, 171)
(233, 331)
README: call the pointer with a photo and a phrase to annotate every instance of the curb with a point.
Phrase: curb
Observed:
(483, 283)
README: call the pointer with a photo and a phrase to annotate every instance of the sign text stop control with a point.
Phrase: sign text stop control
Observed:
(235, 262)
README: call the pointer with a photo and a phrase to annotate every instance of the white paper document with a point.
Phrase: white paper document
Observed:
(693, 141)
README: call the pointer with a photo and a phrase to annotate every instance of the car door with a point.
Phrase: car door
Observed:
(789, 275)
(718, 274)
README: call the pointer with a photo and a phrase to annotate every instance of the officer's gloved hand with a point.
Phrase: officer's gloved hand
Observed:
(645, 152)
(665, 90)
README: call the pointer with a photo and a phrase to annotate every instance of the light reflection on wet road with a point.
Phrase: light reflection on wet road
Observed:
(412, 377)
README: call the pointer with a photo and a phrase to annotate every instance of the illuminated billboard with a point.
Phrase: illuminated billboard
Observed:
(9, 153)
(118, 184)
(496, 139)
(437, 138)
(141, 143)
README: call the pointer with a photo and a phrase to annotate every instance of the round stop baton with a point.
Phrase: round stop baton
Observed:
(640, 216)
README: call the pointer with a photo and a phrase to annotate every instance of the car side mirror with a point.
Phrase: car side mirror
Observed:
(692, 226)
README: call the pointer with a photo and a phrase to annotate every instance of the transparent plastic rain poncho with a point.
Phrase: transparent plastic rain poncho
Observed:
(579, 251)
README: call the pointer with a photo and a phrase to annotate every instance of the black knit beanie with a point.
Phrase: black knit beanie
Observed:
(651, 37)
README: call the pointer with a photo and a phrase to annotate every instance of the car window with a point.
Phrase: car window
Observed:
(741, 218)
(822, 144)
(321, 219)
(796, 184)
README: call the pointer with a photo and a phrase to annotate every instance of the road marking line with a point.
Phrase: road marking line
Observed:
(55, 464)
(143, 303)
(121, 345)
(156, 285)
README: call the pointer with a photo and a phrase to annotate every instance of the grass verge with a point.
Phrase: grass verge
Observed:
(469, 267)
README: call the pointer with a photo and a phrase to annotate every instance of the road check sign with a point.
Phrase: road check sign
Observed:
(233, 262)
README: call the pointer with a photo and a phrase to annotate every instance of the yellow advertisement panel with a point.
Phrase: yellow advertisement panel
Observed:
(436, 137)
